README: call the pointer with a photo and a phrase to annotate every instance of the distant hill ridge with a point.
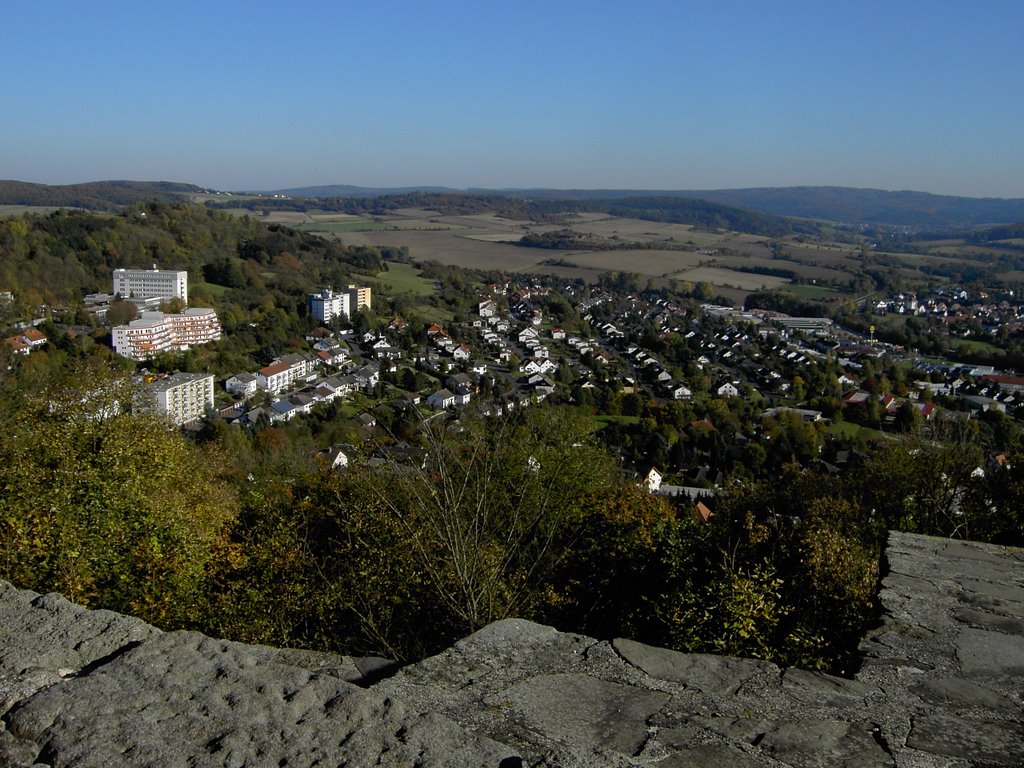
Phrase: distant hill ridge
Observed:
(848, 205)
(94, 195)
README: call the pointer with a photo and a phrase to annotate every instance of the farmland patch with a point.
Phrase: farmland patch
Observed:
(727, 277)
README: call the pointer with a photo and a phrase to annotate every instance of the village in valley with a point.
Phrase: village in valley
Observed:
(687, 394)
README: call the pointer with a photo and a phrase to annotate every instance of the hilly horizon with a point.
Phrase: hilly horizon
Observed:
(846, 205)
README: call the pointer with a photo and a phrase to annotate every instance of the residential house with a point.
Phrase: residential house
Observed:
(679, 392)
(333, 358)
(728, 390)
(441, 399)
(335, 457)
(367, 377)
(651, 482)
(242, 384)
(26, 341)
(528, 334)
(282, 410)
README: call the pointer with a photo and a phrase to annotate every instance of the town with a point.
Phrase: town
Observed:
(687, 394)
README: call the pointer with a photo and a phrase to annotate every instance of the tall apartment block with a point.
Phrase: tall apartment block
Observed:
(183, 397)
(151, 283)
(361, 298)
(156, 332)
(328, 304)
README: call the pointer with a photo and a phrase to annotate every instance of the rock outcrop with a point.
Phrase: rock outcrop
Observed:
(941, 685)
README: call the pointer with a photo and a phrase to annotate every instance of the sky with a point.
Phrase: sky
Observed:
(890, 94)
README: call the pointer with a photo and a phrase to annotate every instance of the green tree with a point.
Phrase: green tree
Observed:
(107, 506)
(486, 514)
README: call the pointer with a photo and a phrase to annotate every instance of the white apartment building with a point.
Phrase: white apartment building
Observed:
(284, 372)
(151, 283)
(196, 325)
(156, 332)
(327, 305)
(183, 397)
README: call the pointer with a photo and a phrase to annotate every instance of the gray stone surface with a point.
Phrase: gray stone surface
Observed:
(940, 687)
(722, 675)
(89, 688)
(976, 740)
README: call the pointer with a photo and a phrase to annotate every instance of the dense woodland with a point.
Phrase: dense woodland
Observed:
(245, 534)
(95, 195)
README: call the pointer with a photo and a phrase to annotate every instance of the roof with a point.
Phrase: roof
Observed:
(702, 512)
(274, 369)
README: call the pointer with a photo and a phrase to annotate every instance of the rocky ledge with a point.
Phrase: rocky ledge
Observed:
(940, 685)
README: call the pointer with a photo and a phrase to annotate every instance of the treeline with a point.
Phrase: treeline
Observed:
(996, 236)
(785, 302)
(875, 207)
(701, 213)
(571, 240)
(95, 195)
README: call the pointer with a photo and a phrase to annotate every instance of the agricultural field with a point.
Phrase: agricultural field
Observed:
(403, 278)
(726, 277)
(350, 224)
(482, 242)
(733, 296)
(814, 292)
(291, 218)
(448, 247)
(837, 257)
(655, 263)
(635, 229)
(806, 271)
(486, 221)
(743, 245)
(496, 237)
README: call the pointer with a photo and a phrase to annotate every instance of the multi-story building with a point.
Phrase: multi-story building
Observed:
(183, 397)
(143, 338)
(284, 372)
(156, 332)
(328, 303)
(360, 297)
(196, 325)
(151, 283)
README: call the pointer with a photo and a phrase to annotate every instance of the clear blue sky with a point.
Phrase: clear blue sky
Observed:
(894, 94)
